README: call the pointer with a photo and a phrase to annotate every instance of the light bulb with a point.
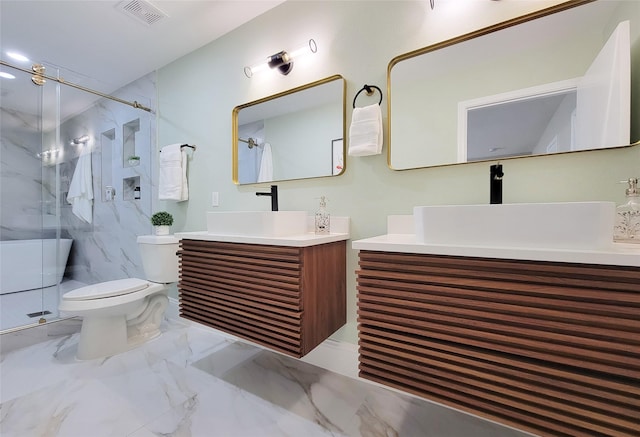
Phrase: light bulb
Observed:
(306, 49)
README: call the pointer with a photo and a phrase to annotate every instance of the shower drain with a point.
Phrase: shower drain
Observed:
(38, 314)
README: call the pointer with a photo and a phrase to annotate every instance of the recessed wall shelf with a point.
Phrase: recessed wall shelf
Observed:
(129, 188)
(129, 131)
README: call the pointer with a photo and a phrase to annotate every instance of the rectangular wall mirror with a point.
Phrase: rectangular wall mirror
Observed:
(555, 81)
(290, 135)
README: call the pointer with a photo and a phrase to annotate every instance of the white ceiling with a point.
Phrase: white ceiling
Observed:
(98, 46)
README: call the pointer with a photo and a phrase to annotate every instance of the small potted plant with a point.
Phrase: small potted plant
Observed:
(161, 222)
(134, 160)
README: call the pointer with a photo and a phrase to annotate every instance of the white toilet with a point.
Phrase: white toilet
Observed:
(122, 314)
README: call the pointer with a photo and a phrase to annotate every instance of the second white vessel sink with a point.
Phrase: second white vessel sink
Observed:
(562, 225)
(257, 223)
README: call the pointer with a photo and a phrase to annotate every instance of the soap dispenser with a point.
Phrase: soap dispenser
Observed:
(323, 220)
(627, 225)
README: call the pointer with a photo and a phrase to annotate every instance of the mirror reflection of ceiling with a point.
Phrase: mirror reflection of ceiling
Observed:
(508, 90)
(526, 121)
(296, 134)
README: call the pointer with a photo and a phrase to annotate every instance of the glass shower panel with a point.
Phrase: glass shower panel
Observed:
(98, 141)
(26, 239)
(51, 136)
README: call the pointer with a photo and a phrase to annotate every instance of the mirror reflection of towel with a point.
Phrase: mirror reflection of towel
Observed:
(172, 177)
(365, 132)
(80, 194)
(266, 164)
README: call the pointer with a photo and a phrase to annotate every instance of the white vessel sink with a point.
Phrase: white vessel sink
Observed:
(257, 223)
(570, 225)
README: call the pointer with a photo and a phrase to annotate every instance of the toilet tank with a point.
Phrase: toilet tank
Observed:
(159, 257)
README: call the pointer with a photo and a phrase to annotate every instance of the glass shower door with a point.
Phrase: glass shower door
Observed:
(50, 133)
(28, 241)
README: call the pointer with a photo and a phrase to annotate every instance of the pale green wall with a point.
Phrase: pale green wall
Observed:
(356, 39)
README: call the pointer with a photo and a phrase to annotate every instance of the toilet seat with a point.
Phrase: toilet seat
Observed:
(119, 287)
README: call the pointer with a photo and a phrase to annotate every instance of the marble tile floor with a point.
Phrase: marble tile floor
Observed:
(193, 381)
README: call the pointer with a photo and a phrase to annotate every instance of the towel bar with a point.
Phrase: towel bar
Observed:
(185, 145)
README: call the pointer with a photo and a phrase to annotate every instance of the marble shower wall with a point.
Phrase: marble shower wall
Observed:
(106, 249)
(21, 169)
(21, 177)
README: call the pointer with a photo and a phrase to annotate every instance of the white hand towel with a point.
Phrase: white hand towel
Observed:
(365, 132)
(172, 177)
(185, 184)
(266, 165)
(80, 194)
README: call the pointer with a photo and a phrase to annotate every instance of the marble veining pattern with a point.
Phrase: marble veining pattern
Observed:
(193, 381)
(33, 187)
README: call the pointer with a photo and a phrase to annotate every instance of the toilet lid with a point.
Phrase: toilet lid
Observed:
(107, 289)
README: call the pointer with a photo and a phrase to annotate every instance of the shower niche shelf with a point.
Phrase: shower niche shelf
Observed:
(129, 186)
(129, 131)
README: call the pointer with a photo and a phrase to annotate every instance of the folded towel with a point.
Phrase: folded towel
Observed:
(172, 177)
(80, 194)
(266, 165)
(365, 132)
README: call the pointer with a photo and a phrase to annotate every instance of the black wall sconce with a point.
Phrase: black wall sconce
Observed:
(282, 61)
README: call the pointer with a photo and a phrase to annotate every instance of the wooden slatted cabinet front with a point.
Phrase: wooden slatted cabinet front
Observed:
(289, 299)
(552, 348)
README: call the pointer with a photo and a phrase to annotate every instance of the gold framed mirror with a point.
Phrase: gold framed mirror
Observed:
(523, 87)
(295, 134)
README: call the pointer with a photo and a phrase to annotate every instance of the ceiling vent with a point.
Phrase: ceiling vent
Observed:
(142, 11)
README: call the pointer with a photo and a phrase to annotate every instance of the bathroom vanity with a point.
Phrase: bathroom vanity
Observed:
(287, 293)
(547, 341)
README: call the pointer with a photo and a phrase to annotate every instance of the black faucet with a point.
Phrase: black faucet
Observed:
(274, 197)
(495, 182)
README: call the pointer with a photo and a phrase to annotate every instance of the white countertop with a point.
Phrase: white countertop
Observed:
(618, 254)
(339, 232)
(302, 240)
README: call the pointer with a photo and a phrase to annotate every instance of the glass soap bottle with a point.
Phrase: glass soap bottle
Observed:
(323, 219)
(627, 226)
